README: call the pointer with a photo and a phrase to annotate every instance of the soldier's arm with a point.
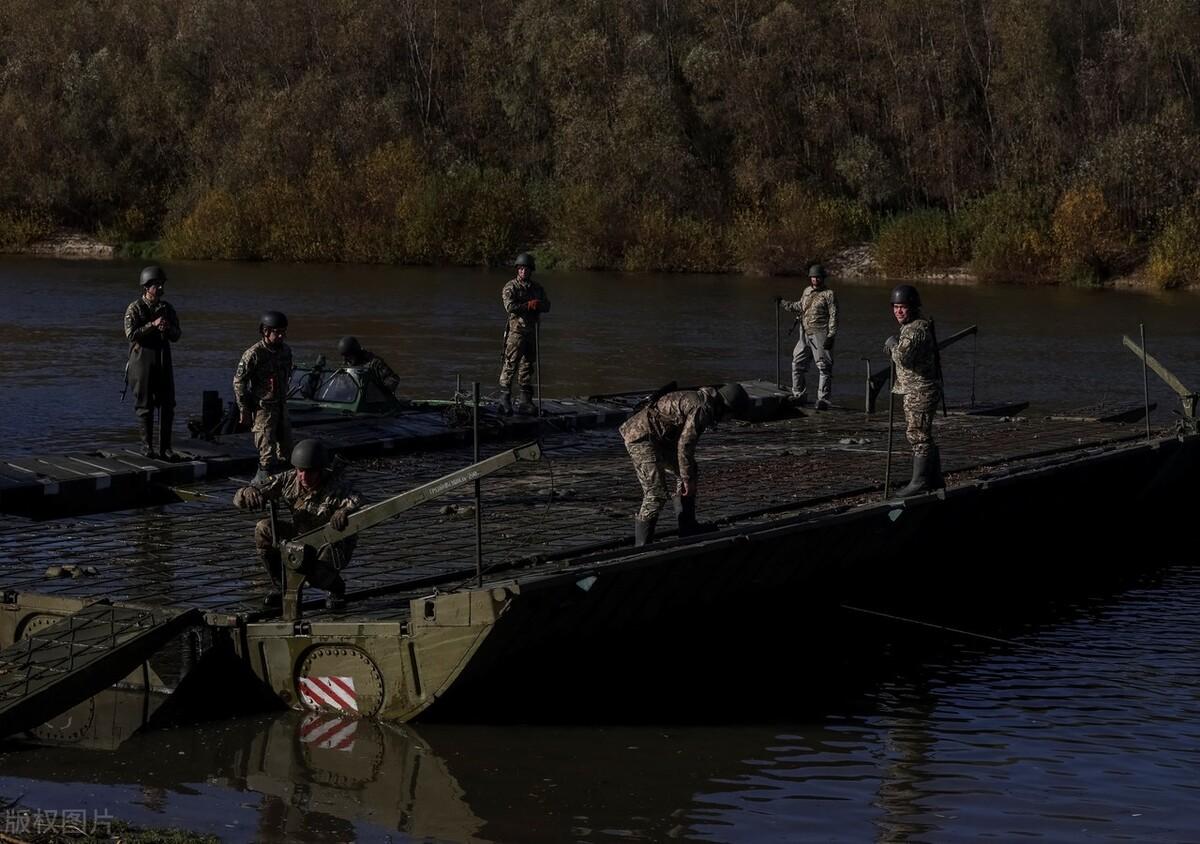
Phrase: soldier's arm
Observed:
(241, 382)
(509, 297)
(173, 332)
(910, 348)
(387, 376)
(692, 429)
(135, 331)
(833, 314)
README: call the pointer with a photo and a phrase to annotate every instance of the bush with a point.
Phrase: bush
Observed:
(1087, 236)
(793, 228)
(213, 230)
(668, 242)
(1008, 232)
(18, 229)
(1175, 252)
(916, 242)
(586, 226)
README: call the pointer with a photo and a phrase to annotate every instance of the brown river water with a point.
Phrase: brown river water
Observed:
(1078, 720)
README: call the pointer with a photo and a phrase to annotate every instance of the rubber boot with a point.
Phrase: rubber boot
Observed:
(505, 403)
(685, 509)
(920, 478)
(643, 531)
(166, 418)
(272, 564)
(936, 479)
(525, 406)
(147, 419)
(260, 477)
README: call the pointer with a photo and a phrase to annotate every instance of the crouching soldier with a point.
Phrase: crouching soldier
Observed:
(662, 436)
(317, 495)
(918, 379)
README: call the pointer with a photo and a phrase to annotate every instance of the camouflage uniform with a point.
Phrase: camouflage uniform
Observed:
(379, 371)
(310, 509)
(261, 385)
(520, 346)
(818, 312)
(663, 436)
(915, 362)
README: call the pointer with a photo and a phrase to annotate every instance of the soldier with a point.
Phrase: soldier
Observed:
(524, 302)
(662, 436)
(260, 387)
(151, 326)
(355, 355)
(317, 495)
(816, 313)
(918, 379)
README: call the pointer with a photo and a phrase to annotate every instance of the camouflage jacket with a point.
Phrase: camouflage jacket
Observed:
(515, 295)
(817, 309)
(675, 421)
(378, 369)
(140, 333)
(914, 359)
(263, 376)
(310, 508)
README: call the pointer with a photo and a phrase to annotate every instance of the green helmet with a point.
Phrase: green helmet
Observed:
(153, 274)
(817, 271)
(310, 454)
(735, 398)
(906, 294)
(349, 347)
(526, 260)
(273, 319)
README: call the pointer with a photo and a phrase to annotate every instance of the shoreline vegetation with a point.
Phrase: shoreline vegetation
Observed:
(1025, 141)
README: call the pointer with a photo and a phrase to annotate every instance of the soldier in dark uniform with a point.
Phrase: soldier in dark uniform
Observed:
(524, 301)
(376, 367)
(918, 379)
(260, 387)
(151, 326)
(317, 494)
(662, 437)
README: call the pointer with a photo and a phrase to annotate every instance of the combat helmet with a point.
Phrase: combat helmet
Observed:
(817, 271)
(273, 319)
(153, 274)
(310, 454)
(735, 398)
(349, 347)
(526, 260)
(906, 294)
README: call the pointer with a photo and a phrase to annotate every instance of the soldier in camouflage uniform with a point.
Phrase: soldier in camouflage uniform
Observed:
(817, 315)
(524, 301)
(376, 368)
(662, 437)
(317, 494)
(260, 387)
(151, 326)
(918, 379)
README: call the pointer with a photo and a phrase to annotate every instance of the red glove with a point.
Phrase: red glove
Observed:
(534, 304)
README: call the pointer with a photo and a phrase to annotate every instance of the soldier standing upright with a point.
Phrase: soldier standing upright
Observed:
(918, 378)
(817, 314)
(662, 436)
(316, 494)
(524, 302)
(260, 387)
(376, 367)
(151, 326)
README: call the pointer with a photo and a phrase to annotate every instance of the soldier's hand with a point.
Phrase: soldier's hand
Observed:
(685, 488)
(534, 304)
(890, 344)
(248, 498)
(829, 344)
(340, 519)
(246, 418)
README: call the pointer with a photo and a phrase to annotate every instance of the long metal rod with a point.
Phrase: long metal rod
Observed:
(778, 369)
(887, 469)
(478, 510)
(537, 363)
(1145, 378)
(867, 404)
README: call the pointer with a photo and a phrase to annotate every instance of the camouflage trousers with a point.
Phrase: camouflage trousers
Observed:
(338, 554)
(272, 435)
(812, 348)
(520, 354)
(651, 465)
(919, 410)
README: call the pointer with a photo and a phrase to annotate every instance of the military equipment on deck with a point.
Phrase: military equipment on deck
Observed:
(1186, 396)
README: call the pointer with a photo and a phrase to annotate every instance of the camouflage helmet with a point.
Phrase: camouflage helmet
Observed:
(273, 319)
(735, 398)
(526, 260)
(906, 294)
(817, 271)
(310, 454)
(153, 274)
(349, 347)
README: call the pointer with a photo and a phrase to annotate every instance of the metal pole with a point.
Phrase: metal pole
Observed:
(478, 510)
(778, 370)
(974, 363)
(867, 394)
(887, 470)
(1145, 377)
(537, 357)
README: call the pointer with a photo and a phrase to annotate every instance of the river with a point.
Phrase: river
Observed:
(1078, 719)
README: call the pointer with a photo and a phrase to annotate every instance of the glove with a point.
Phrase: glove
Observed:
(890, 344)
(248, 498)
(340, 519)
(828, 344)
(534, 304)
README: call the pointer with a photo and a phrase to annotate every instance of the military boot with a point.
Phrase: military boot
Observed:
(504, 404)
(525, 406)
(920, 478)
(685, 510)
(165, 420)
(261, 476)
(643, 530)
(272, 563)
(148, 435)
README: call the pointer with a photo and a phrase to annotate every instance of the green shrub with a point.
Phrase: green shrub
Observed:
(1008, 232)
(918, 241)
(213, 230)
(1175, 252)
(668, 242)
(1087, 236)
(587, 226)
(793, 228)
(18, 229)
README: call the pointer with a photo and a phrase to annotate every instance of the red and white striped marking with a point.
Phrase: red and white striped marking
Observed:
(330, 732)
(329, 693)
